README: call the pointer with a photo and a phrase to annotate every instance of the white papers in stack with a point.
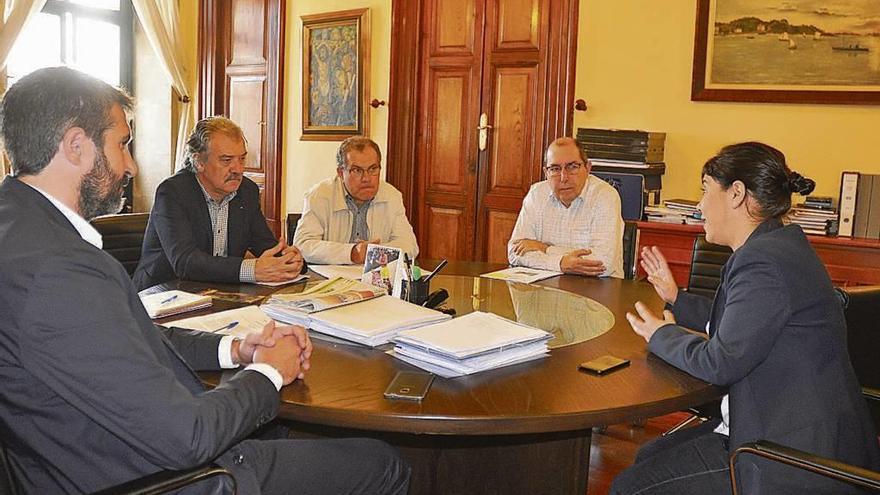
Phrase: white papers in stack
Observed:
(172, 302)
(239, 322)
(352, 272)
(372, 322)
(475, 342)
(521, 274)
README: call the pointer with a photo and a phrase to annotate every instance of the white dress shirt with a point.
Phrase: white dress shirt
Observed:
(592, 221)
(93, 237)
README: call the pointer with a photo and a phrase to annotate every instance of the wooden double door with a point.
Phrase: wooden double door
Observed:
(241, 62)
(494, 88)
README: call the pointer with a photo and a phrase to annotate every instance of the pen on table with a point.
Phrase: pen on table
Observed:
(436, 270)
(166, 301)
(228, 326)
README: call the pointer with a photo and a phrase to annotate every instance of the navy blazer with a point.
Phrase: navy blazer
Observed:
(95, 394)
(778, 340)
(179, 242)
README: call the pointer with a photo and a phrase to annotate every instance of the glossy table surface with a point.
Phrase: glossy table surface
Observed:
(345, 385)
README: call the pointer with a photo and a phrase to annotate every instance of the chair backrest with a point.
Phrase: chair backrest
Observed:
(862, 313)
(292, 222)
(630, 241)
(706, 264)
(631, 188)
(123, 236)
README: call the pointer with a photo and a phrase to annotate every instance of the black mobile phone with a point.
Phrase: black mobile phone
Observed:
(603, 364)
(409, 385)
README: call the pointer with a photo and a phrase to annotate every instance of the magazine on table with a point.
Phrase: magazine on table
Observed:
(325, 295)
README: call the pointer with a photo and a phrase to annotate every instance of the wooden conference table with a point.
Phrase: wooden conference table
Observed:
(520, 429)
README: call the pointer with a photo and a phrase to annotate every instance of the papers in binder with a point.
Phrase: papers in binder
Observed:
(521, 274)
(372, 322)
(172, 302)
(469, 344)
(239, 322)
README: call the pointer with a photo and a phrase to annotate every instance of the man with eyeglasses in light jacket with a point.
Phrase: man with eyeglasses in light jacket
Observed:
(570, 222)
(343, 214)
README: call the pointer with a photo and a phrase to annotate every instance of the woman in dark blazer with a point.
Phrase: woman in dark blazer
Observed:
(774, 334)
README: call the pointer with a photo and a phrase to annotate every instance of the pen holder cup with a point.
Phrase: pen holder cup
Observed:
(415, 292)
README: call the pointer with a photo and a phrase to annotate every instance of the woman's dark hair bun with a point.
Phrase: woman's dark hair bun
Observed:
(797, 183)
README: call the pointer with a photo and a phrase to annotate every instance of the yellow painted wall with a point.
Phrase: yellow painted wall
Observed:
(634, 71)
(307, 162)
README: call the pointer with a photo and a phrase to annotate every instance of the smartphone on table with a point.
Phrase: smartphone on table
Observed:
(409, 385)
(603, 364)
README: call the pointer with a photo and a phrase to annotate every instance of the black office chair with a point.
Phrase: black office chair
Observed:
(706, 264)
(862, 311)
(630, 241)
(292, 222)
(154, 484)
(123, 236)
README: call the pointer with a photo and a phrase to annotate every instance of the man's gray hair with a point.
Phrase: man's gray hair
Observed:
(355, 143)
(200, 138)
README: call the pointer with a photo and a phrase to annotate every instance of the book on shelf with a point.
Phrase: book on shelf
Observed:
(860, 205)
(172, 302)
(469, 344)
(325, 295)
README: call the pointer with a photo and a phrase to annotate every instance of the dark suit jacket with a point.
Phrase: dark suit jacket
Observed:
(778, 340)
(179, 242)
(93, 393)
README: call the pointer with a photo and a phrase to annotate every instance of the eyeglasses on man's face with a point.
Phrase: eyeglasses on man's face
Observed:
(570, 168)
(358, 172)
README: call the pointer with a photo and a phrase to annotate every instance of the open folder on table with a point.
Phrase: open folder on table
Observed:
(469, 344)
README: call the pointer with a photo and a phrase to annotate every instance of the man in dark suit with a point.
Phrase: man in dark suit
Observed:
(207, 216)
(94, 394)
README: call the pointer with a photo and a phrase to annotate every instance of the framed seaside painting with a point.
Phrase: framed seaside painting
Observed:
(787, 51)
(336, 61)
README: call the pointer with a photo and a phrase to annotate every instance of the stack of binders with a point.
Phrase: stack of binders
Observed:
(470, 344)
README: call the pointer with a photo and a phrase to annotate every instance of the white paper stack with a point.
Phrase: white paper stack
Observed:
(172, 302)
(239, 322)
(521, 274)
(469, 344)
(372, 322)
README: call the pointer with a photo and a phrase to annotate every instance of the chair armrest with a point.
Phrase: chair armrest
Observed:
(803, 460)
(166, 481)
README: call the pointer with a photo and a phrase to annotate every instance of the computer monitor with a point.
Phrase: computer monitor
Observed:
(631, 188)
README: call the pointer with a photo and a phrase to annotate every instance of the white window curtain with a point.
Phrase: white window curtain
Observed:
(161, 22)
(14, 15)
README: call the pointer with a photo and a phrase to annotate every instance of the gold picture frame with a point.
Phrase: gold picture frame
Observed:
(335, 75)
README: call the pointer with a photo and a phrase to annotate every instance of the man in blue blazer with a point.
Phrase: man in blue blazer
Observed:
(94, 394)
(207, 216)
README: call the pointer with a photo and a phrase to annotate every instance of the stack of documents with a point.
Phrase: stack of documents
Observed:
(521, 274)
(172, 302)
(239, 322)
(471, 343)
(372, 322)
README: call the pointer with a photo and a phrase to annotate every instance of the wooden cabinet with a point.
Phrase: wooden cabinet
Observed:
(849, 261)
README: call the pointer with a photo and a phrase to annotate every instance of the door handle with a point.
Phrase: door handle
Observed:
(484, 131)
